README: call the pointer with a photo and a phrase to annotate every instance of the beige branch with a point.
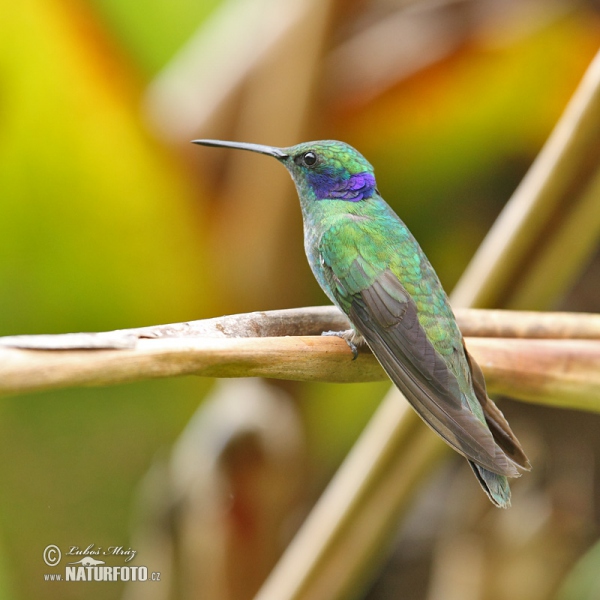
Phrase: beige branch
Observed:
(313, 321)
(561, 373)
(285, 344)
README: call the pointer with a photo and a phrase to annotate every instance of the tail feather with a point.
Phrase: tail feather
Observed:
(495, 486)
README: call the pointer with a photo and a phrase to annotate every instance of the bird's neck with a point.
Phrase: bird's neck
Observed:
(321, 215)
(324, 212)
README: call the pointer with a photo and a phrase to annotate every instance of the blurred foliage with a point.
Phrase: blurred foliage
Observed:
(150, 42)
(478, 118)
(95, 233)
(102, 227)
(85, 191)
(583, 583)
(71, 461)
(337, 414)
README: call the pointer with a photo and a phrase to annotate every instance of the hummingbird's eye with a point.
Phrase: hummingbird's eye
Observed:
(310, 158)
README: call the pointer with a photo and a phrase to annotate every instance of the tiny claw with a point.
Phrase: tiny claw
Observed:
(347, 336)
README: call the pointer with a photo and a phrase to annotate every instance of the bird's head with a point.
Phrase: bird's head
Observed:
(324, 170)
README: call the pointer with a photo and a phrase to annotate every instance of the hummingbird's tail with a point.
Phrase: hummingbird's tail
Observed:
(494, 485)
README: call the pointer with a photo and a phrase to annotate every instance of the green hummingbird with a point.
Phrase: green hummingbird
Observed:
(370, 265)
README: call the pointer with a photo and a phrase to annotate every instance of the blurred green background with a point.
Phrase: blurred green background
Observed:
(105, 225)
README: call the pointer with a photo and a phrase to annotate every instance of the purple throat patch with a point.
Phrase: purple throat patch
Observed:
(354, 189)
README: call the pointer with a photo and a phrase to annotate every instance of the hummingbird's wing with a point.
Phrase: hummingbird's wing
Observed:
(385, 314)
(498, 425)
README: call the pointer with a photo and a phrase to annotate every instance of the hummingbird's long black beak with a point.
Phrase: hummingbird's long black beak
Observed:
(269, 150)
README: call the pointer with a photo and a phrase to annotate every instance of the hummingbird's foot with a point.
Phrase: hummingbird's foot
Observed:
(350, 337)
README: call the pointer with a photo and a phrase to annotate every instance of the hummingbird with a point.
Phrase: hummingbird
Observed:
(372, 268)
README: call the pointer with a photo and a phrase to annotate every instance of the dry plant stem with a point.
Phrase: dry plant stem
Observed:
(476, 322)
(314, 320)
(320, 551)
(262, 222)
(274, 323)
(243, 345)
(559, 373)
(524, 260)
(297, 358)
(555, 372)
(202, 94)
